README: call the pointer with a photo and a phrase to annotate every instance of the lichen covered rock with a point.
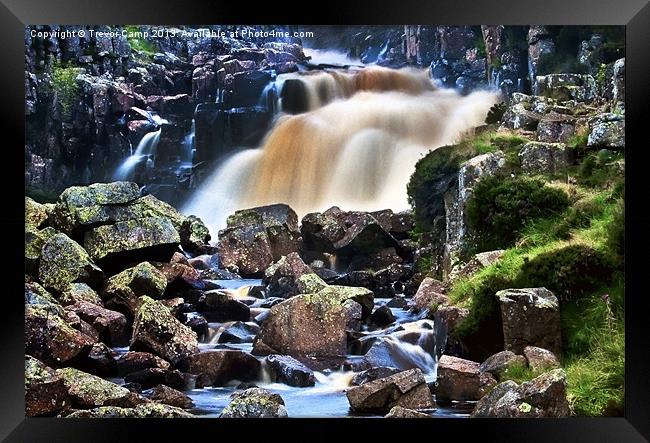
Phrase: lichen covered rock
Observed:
(461, 380)
(125, 288)
(35, 214)
(145, 410)
(255, 403)
(89, 391)
(45, 392)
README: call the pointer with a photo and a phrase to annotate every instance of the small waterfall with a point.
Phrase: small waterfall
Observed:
(145, 151)
(188, 144)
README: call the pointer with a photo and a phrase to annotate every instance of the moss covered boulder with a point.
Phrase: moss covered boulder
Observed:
(125, 288)
(52, 339)
(281, 277)
(157, 331)
(80, 292)
(34, 241)
(255, 403)
(35, 214)
(111, 326)
(36, 295)
(45, 392)
(145, 410)
(64, 261)
(89, 391)
(194, 234)
(149, 238)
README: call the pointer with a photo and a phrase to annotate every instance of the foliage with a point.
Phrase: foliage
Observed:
(64, 83)
(519, 373)
(147, 47)
(495, 114)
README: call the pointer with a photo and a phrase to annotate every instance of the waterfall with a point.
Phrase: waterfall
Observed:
(353, 142)
(188, 143)
(146, 147)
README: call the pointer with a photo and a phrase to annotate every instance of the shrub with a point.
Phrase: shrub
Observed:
(500, 207)
(64, 83)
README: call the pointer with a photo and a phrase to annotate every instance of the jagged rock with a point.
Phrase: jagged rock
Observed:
(80, 292)
(239, 332)
(165, 395)
(64, 261)
(180, 277)
(563, 87)
(531, 317)
(137, 361)
(36, 295)
(607, 131)
(35, 214)
(125, 288)
(460, 379)
(281, 277)
(149, 377)
(110, 325)
(146, 410)
(400, 412)
(34, 241)
(88, 391)
(288, 370)
(382, 316)
(499, 363)
(223, 365)
(193, 234)
(220, 306)
(540, 359)
(51, 339)
(429, 291)
(543, 396)
(45, 392)
(373, 374)
(407, 389)
(545, 158)
(255, 403)
(156, 330)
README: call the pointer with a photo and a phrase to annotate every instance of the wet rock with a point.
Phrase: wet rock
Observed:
(199, 325)
(543, 396)
(137, 361)
(193, 234)
(382, 316)
(99, 361)
(146, 410)
(400, 412)
(373, 374)
(531, 317)
(255, 403)
(165, 395)
(150, 377)
(461, 380)
(281, 277)
(180, 277)
(157, 331)
(450, 315)
(51, 339)
(430, 291)
(399, 301)
(407, 389)
(45, 392)
(125, 288)
(80, 292)
(239, 332)
(389, 351)
(110, 325)
(89, 391)
(220, 306)
(540, 359)
(223, 365)
(607, 131)
(545, 158)
(64, 261)
(149, 238)
(499, 363)
(35, 214)
(288, 370)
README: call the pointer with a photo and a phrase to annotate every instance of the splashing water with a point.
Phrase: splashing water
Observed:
(146, 147)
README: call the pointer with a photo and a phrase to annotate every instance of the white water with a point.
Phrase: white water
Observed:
(146, 147)
(330, 57)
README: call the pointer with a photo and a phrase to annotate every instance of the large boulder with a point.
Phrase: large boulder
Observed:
(530, 317)
(281, 277)
(541, 397)
(407, 389)
(288, 370)
(151, 377)
(563, 87)
(156, 330)
(34, 241)
(124, 289)
(499, 363)
(89, 391)
(219, 366)
(35, 214)
(255, 403)
(110, 325)
(239, 332)
(544, 158)
(220, 306)
(371, 374)
(52, 339)
(80, 292)
(461, 380)
(194, 234)
(430, 291)
(64, 261)
(540, 359)
(36, 295)
(607, 131)
(45, 392)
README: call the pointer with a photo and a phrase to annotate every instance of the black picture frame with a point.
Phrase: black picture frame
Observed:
(635, 14)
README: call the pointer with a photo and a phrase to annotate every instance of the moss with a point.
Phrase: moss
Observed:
(139, 44)
(64, 83)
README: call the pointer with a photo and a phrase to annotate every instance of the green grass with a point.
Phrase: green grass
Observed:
(519, 373)
(146, 47)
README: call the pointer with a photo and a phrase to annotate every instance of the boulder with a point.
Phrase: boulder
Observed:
(146, 410)
(223, 365)
(151, 377)
(430, 291)
(541, 397)
(157, 331)
(89, 391)
(407, 389)
(45, 392)
(34, 241)
(64, 261)
(563, 87)
(540, 359)
(180, 277)
(220, 306)
(450, 316)
(382, 316)
(499, 363)
(401, 412)
(461, 380)
(530, 317)
(372, 374)
(288, 370)
(125, 288)
(35, 214)
(254, 403)
(110, 325)
(36, 295)
(99, 361)
(169, 396)
(136, 361)
(51, 339)
(607, 131)
(193, 234)
(544, 158)
(239, 332)
(80, 292)
(281, 276)
(476, 263)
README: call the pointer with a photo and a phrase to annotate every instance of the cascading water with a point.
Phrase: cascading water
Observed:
(188, 143)
(145, 151)
(354, 143)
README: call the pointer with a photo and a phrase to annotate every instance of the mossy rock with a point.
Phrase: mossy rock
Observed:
(88, 391)
(80, 292)
(34, 241)
(145, 410)
(310, 283)
(35, 214)
(36, 294)
(125, 288)
(64, 261)
(45, 392)
(193, 233)
(255, 403)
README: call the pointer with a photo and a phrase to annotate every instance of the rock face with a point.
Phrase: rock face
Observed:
(543, 396)
(538, 157)
(499, 363)
(255, 403)
(64, 261)
(222, 365)
(45, 392)
(254, 238)
(290, 371)
(530, 317)
(407, 389)
(460, 379)
(540, 359)
(156, 330)
(125, 288)
(88, 391)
